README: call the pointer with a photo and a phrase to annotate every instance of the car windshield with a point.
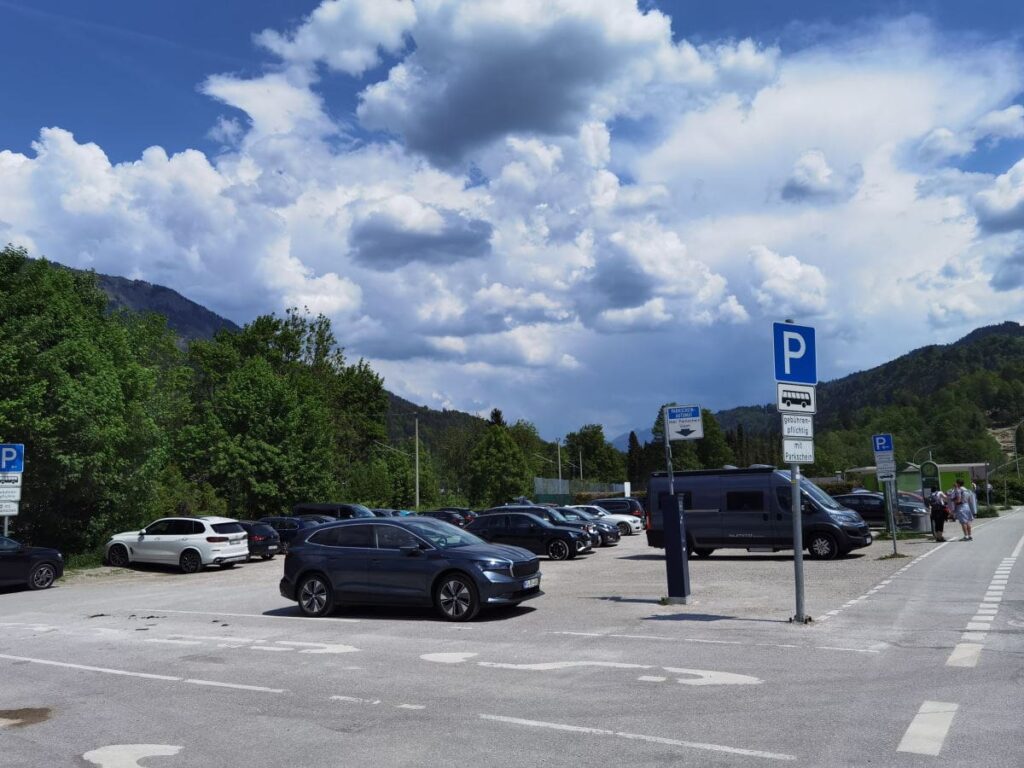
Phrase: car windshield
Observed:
(812, 491)
(443, 535)
(358, 510)
(556, 515)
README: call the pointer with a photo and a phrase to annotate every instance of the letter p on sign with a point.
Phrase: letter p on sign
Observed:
(795, 360)
(12, 457)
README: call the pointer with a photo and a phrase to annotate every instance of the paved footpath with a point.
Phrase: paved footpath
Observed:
(921, 666)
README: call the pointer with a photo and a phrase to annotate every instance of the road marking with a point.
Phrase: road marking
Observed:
(167, 641)
(325, 622)
(145, 675)
(1017, 549)
(5, 722)
(447, 658)
(651, 679)
(928, 729)
(637, 737)
(964, 655)
(717, 642)
(128, 755)
(355, 700)
(978, 626)
(236, 686)
(216, 638)
(85, 668)
(411, 706)
(318, 647)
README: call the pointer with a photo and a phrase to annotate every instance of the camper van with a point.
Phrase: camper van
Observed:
(752, 509)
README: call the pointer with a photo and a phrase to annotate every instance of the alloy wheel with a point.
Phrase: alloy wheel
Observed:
(455, 598)
(313, 597)
(43, 576)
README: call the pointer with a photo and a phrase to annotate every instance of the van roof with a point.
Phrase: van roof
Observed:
(709, 472)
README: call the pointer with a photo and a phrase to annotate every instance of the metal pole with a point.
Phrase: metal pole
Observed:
(889, 504)
(6, 518)
(798, 543)
(558, 446)
(417, 463)
(581, 465)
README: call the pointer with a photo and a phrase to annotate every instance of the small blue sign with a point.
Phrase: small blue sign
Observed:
(12, 457)
(882, 443)
(684, 412)
(795, 360)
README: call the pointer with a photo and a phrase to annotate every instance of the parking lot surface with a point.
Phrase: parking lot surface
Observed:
(151, 667)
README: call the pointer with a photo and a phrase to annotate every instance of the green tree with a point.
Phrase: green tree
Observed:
(712, 450)
(497, 469)
(635, 462)
(601, 461)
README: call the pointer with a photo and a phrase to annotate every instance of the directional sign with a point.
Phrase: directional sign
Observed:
(10, 479)
(684, 422)
(8, 508)
(12, 457)
(797, 451)
(796, 398)
(795, 360)
(797, 426)
(10, 494)
(882, 443)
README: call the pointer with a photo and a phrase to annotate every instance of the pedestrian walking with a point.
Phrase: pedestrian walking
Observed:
(937, 505)
(966, 508)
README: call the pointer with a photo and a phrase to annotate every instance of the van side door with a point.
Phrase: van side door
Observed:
(747, 514)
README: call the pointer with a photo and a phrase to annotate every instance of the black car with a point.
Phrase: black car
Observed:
(263, 540)
(447, 515)
(405, 561)
(287, 528)
(334, 510)
(318, 519)
(871, 506)
(522, 529)
(34, 567)
(620, 506)
(554, 517)
(609, 532)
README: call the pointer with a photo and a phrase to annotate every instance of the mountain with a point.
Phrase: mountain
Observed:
(191, 321)
(185, 317)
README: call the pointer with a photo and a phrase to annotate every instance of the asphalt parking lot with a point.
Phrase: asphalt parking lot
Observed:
(217, 668)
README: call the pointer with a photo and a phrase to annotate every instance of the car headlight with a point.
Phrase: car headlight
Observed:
(845, 517)
(495, 566)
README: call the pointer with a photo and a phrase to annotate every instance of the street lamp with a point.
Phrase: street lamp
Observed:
(913, 459)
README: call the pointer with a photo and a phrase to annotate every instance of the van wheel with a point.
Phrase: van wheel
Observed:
(822, 546)
(703, 552)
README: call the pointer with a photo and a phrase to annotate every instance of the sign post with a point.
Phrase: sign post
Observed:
(885, 471)
(681, 423)
(12, 464)
(796, 377)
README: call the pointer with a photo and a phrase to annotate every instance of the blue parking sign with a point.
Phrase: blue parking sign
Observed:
(12, 457)
(795, 360)
(882, 443)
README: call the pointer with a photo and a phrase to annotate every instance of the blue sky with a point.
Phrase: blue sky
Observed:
(492, 201)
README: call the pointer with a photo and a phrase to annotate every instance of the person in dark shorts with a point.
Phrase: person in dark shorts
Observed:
(937, 505)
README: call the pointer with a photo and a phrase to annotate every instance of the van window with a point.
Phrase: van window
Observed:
(744, 501)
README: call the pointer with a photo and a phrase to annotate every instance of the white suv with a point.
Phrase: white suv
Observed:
(628, 524)
(188, 542)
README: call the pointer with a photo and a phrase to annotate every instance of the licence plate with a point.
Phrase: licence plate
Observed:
(234, 541)
(531, 583)
(272, 547)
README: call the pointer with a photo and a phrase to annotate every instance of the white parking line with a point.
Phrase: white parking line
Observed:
(717, 642)
(145, 675)
(236, 686)
(637, 737)
(324, 622)
(964, 655)
(928, 729)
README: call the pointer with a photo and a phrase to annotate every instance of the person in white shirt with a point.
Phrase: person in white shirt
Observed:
(966, 509)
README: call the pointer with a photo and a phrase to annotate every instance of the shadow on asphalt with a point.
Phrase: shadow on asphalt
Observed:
(748, 556)
(405, 613)
(618, 599)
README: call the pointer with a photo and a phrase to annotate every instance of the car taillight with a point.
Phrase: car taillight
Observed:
(216, 539)
(257, 537)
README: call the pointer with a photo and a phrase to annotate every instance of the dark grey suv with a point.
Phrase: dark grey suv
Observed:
(405, 561)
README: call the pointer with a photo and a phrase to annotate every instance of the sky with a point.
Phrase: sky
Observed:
(572, 210)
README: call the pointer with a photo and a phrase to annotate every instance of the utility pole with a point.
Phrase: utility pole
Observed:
(581, 466)
(558, 447)
(417, 417)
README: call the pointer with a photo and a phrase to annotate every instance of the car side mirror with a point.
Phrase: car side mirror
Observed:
(411, 551)
(142, 533)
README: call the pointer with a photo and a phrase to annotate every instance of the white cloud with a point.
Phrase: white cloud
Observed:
(785, 285)
(628, 189)
(346, 35)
